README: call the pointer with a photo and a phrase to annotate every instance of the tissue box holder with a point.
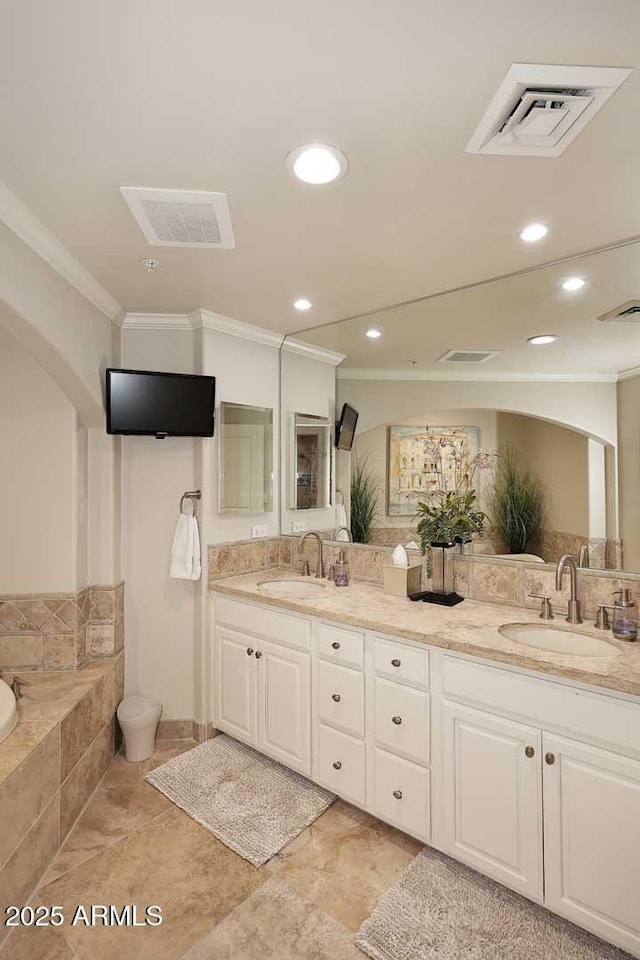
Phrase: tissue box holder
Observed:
(401, 581)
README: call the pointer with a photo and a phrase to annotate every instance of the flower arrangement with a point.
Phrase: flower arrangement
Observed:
(451, 514)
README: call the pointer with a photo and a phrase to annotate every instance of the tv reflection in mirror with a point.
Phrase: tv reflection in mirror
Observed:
(346, 427)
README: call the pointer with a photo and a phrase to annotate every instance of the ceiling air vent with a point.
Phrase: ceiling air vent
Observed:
(628, 312)
(467, 356)
(539, 109)
(181, 218)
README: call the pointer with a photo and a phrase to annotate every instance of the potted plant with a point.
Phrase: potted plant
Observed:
(364, 499)
(451, 514)
(517, 503)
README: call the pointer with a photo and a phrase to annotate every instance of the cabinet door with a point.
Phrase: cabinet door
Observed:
(237, 685)
(592, 839)
(491, 796)
(284, 698)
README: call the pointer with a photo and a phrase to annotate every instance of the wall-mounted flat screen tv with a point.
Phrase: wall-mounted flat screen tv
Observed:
(148, 403)
(346, 427)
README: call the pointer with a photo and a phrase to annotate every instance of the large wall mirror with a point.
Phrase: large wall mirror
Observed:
(565, 410)
(246, 459)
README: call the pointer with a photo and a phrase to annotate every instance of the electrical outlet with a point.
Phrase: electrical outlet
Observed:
(298, 526)
(259, 530)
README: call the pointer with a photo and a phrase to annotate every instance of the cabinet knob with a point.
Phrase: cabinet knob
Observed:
(529, 752)
(397, 794)
(258, 654)
(549, 758)
(249, 651)
(397, 720)
(396, 663)
(337, 765)
(335, 645)
(336, 697)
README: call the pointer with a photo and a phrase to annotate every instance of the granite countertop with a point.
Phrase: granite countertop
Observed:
(471, 627)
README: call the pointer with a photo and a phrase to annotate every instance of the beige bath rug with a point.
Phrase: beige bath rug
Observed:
(251, 803)
(441, 910)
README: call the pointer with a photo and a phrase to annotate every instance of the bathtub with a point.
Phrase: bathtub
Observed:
(8, 710)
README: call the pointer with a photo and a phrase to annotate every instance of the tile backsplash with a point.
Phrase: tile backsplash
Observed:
(477, 577)
(61, 631)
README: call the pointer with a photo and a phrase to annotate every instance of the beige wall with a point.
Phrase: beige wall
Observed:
(42, 480)
(559, 457)
(588, 407)
(629, 470)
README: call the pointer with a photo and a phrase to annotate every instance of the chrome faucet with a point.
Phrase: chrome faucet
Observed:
(573, 614)
(583, 559)
(320, 564)
(334, 535)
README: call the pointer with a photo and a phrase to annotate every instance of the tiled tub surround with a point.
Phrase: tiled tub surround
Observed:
(470, 628)
(50, 766)
(61, 631)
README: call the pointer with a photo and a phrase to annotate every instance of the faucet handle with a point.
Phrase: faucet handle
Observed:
(304, 568)
(546, 612)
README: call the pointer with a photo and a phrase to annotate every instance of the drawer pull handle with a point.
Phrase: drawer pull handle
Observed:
(396, 663)
(335, 645)
(397, 720)
(249, 651)
(258, 654)
(336, 697)
(337, 765)
(529, 752)
(397, 794)
(549, 758)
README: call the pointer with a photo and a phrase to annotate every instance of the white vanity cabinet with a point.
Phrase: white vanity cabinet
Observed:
(263, 684)
(536, 800)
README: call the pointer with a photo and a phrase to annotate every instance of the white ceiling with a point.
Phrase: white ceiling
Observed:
(501, 315)
(212, 95)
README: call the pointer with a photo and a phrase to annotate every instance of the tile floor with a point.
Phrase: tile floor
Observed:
(132, 845)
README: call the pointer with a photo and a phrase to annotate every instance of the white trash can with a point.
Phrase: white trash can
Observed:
(138, 718)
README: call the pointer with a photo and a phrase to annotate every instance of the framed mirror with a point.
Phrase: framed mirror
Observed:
(311, 462)
(246, 459)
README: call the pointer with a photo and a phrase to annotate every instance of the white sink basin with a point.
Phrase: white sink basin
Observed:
(558, 640)
(8, 710)
(292, 587)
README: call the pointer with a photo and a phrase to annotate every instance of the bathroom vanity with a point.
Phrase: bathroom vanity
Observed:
(521, 763)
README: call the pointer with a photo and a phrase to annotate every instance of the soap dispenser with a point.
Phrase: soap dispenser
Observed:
(341, 570)
(625, 625)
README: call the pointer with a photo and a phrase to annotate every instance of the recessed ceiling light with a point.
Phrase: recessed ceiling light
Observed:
(542, 339)
(150, 264)
(535, 231)
(302, 304)
(573, 283)
(373, 334)
(317, 163)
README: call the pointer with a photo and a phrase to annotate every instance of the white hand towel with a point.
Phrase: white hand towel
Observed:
(341, 521)
(181, 566)
(196, 568)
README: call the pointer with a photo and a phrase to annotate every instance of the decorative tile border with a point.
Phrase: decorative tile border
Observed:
(61, 631)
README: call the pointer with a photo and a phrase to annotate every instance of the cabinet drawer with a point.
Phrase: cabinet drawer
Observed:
(400, 663)
(343, 646)
(401, 720)
(282, 627)
(340, 694)
(339, 764)
(602, 718)
(401, 793)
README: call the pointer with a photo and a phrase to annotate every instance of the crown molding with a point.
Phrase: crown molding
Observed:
(236, 328)
(21, 221)
(473, 376)
(303, 349)
(157, 321)
(629, 374)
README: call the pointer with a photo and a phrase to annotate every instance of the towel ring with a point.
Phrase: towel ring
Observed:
(339, 491)
(194, 496)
